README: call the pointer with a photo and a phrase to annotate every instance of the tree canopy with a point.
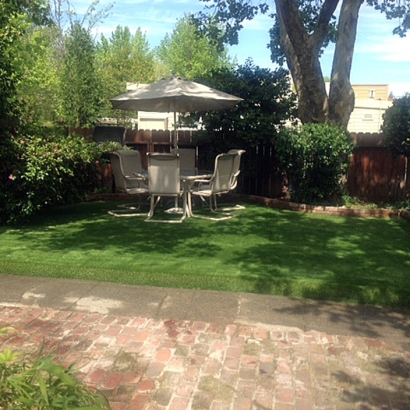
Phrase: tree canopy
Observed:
(123, 57)
(300, 30)
(188, 53)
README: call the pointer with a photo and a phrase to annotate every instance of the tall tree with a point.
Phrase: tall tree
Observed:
(189, 53)
(15, 18)
(81, 87)
(38, 88)
(304, 27)
(122, 58)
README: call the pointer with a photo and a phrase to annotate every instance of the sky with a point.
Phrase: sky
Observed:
(380, 57)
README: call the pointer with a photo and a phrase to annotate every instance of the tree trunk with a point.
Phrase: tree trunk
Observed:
(302, 54)
(341, 95)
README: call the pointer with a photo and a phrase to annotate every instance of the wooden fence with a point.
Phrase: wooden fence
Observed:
(374, 173)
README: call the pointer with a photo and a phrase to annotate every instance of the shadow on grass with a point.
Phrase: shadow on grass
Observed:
(267, 251)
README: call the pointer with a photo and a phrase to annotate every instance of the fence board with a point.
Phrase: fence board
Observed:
(374, 173)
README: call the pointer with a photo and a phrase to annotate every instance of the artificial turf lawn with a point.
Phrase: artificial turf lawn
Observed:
(263, 250)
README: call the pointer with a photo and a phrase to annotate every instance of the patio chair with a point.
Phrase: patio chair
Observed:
(164, 180)
(125, 167)
(187, 157)
(218, 184)
(234, 182)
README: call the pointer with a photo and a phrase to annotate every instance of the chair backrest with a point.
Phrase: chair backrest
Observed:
(236, 166)
(187, 157)
(222, 176)
(164, 174)
(131, 161)
(121, 182)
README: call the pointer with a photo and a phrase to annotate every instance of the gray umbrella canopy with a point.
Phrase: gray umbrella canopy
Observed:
(174, 95)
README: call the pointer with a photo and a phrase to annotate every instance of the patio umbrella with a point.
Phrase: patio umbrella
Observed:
(174, 94)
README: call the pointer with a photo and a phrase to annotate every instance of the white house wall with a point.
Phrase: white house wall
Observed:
(367, 115)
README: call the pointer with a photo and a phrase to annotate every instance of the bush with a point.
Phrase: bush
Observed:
(315, 158)
(396, 126)
(47, 171)
(42, 384)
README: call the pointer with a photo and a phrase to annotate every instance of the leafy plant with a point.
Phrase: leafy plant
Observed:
(46, 171)
(396, 126)
(43, 384)
(315, 158)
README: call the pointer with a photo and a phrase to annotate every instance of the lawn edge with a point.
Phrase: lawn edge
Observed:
(291, 206)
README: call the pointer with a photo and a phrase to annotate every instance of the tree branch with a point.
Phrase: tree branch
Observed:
(326, 13)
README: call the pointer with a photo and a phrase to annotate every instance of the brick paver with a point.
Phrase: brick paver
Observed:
(141, 363)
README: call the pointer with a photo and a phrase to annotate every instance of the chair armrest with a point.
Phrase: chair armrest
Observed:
(137, 177)
(205, 181)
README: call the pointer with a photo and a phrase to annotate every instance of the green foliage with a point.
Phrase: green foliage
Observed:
(48, 171)
(315, 158)
(189, 53)
(14, 19)
(41, 384)
(123, 58)
(396, 126)
(38, 90)
(81, 87)
(268, 104)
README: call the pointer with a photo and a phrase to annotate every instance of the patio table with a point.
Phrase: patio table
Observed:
(188, 178)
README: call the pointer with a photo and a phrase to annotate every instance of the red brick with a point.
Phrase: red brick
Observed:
(139, 402)
(304, 404)
(113, 330)
(284, 395)
(155, 369)
(131, 378)
(179, 403)
(118, 405)
(242, 403)
(146, 386)
(141, 336)
(95, 376)
(112, 381)
(233, 351)
(264, 399)
(163, 355)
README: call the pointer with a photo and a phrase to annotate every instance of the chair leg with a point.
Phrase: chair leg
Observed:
(130, 210)
(154, 203)
(227, 208)
(223, 215)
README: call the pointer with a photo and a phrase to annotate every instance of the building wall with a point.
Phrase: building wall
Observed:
(371, 102)
(367, 115)
(371, 91)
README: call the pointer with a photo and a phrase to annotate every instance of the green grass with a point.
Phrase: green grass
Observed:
(262, 251)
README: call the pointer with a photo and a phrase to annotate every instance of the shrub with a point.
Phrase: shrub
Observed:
(46, 171)
(396, 126)
(315, 158)
(41, 383)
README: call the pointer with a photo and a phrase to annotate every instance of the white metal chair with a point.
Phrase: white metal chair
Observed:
(125, 167)
(235, 174)
(187, 157)
(236, 166)
(164, 179)
(218, 184)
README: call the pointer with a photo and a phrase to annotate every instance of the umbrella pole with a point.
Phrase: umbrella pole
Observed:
(175, 141)
(176, 209)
